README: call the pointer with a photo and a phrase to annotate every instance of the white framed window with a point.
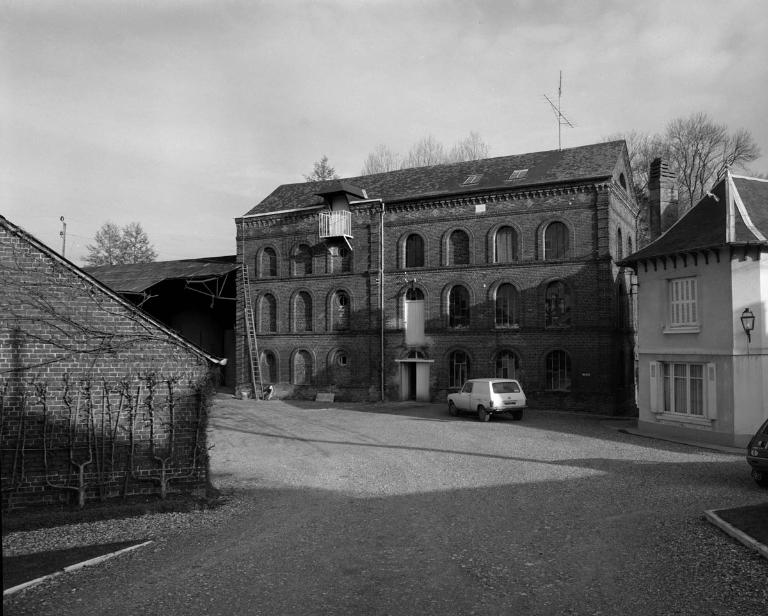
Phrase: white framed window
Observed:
(684, 389)
(683, 303)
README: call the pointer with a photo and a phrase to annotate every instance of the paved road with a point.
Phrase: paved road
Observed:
(402, 509)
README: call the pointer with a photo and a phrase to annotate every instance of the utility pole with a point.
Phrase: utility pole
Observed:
(63, 234)
(561, 119)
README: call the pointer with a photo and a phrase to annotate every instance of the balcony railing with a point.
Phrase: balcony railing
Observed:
(335, 224)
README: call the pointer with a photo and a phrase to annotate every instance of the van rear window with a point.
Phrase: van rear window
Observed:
(506, 387)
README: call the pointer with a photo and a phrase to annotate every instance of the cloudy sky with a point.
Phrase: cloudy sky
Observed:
(181, 115)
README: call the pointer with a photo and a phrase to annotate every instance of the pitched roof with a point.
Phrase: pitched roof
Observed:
(52, 254)
(595, 161)
(138, 277)
(734, 212)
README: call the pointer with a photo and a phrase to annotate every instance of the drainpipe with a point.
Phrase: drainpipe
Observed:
(381, 295)
(381, 290)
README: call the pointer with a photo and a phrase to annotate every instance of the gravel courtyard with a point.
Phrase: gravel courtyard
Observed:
(402, 509)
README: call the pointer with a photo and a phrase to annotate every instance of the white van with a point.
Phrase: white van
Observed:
(488, 397)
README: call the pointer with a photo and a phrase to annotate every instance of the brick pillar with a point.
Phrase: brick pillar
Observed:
(662, 198)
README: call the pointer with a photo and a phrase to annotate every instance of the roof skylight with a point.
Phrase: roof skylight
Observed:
(517, 174)
(472, 179)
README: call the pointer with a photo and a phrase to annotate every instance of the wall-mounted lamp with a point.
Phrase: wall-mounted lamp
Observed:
(748, 323)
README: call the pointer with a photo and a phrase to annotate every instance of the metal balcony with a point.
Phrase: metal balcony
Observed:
(336, 223)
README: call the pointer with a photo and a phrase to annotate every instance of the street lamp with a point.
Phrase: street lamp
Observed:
(748, 323)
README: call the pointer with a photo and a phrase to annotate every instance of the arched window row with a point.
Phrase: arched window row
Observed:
(504, 242)
(303, 370)
(556, 372)
(302, 261)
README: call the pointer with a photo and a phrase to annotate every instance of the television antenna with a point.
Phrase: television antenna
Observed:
(561, 119)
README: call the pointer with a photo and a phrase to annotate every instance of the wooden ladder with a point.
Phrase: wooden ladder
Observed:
(250, 328)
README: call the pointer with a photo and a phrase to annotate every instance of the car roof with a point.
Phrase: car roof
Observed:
(495, 380)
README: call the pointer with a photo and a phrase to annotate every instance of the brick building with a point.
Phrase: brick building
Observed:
(402, 284)
(98, 399)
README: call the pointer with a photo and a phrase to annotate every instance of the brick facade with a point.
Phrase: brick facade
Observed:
(599, 220)
(97, 399)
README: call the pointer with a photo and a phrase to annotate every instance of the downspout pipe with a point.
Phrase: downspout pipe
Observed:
(382, 210)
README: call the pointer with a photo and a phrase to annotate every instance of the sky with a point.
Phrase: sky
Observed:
(183, 115)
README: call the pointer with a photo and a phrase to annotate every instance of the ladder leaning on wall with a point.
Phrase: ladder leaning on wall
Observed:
(250, 328)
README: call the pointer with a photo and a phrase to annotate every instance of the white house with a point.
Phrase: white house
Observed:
(702, 372)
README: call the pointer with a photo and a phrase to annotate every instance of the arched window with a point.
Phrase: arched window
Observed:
(619, 245)
(557, 305)
(458, 368)
(302, 261)
(268, 267)
(414, 293)
(268, 367)
(302, 368)
(505, 246)
(267, 313)
(558, 371)
(340, 310)
(458, 307)
(339, 368)
(414, 251)
(458, 248)
(302, 312)
(507, 365)
(506, 306)
(556, 244)
(629, 245)
(340, 260)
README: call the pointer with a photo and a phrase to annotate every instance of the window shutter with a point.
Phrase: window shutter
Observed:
(711, 391)
(655, 374)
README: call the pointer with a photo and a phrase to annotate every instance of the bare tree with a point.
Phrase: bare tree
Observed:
(425, 152)
(697, 149)
(322, 171)
(471, 147)
(381, 160)
(115, 246)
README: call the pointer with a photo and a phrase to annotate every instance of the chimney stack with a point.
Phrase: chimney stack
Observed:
(662, 198)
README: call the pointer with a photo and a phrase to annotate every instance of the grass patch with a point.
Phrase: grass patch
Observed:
(752, 520)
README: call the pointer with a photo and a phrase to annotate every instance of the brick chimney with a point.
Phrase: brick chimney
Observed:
(662, 198)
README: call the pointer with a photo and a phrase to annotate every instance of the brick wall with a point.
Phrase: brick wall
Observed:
(590, 213)
(97, 401)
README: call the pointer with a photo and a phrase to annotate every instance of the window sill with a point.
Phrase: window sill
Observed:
(680, 418)
(690, 329)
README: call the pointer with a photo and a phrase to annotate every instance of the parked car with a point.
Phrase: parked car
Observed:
(757, 455)
(488, 397)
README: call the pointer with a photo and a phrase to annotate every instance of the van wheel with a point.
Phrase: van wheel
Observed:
(761, 479)
(452, 410)
(482, 414)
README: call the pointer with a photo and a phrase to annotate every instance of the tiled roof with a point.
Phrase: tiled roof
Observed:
(595, 161)
(138, 277)
(706, 225)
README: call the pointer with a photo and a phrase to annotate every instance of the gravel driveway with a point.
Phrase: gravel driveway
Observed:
(401, 509)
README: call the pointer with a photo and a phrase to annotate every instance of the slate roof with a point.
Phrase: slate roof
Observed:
(706, 225)
(138, 277)
(103, 288)
(596, 161)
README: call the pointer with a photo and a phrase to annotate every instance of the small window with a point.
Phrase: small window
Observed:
(683, 304)
(506, 306)
(458, 369)
(619, 245)
(458, 248)
(684, 388)
(517, 174)
(414, 251)
(267, 313)
(557, 305)
(268, 267)
(458, 307)
(340, 311)
(507, 365)
(341, 358)
(558, 371)
(556, 244)
(505, 245)
(472, 179)
(623, 181)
